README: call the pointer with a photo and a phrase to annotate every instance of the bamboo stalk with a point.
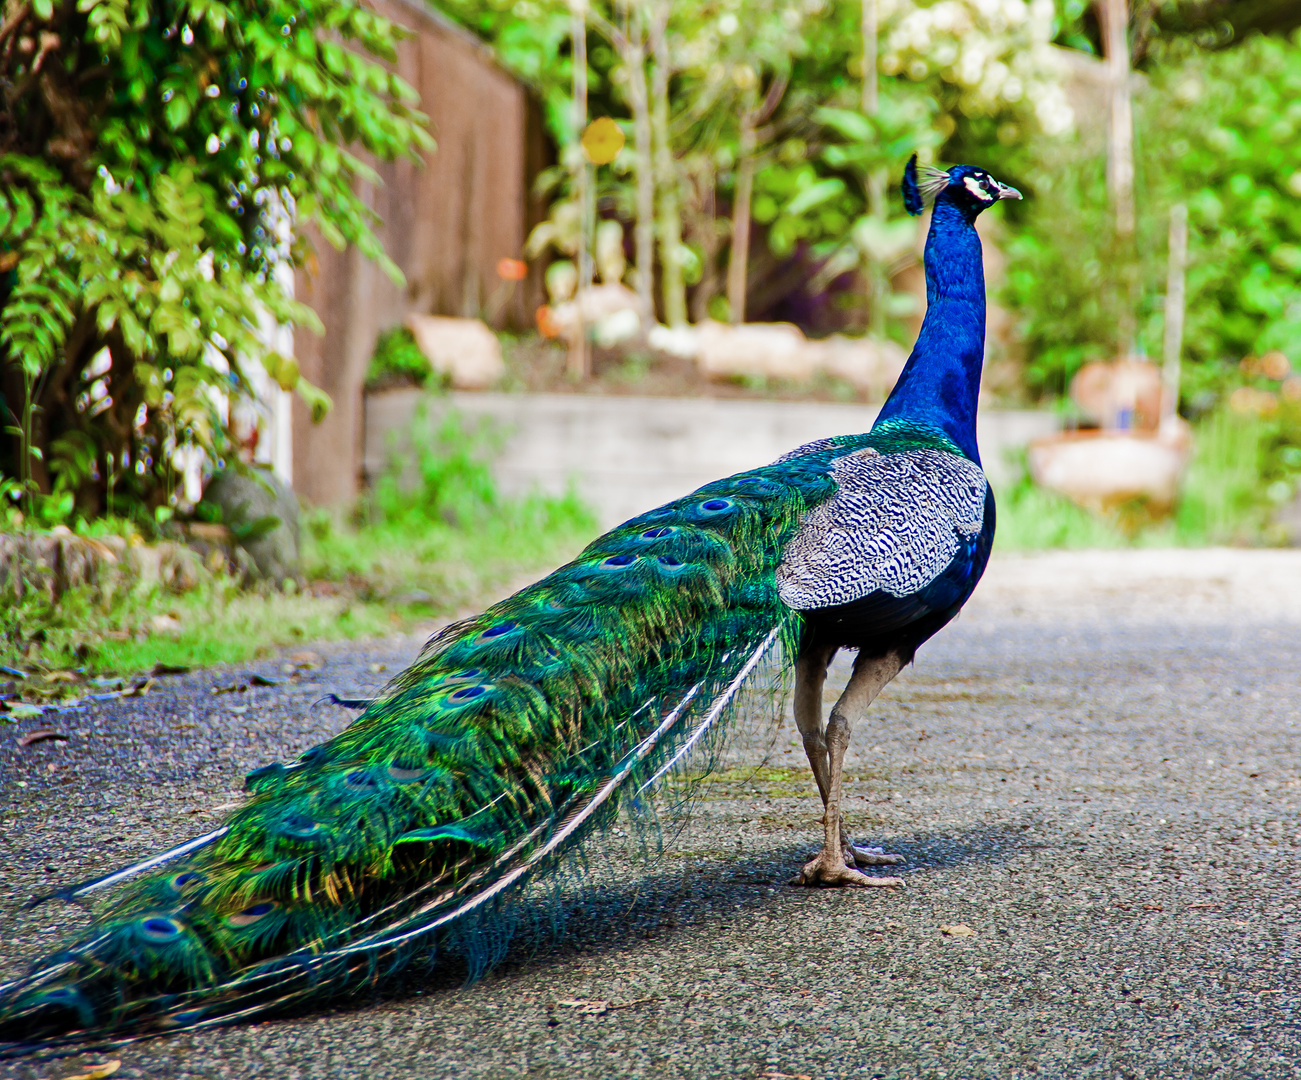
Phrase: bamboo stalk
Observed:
(578, 353)
(739, 257)
(870, 33)
(1174, 315)
(670, 212)
(1120, 140)
(644, 231)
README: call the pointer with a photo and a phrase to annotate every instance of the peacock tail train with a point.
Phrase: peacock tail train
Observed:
(512, 736)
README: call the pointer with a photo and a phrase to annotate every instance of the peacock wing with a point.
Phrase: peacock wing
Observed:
(895, 528)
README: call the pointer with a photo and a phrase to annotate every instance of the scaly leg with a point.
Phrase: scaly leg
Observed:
(829, 867)
(810, 678)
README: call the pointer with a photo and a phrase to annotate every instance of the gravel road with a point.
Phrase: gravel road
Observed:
(1096, 771)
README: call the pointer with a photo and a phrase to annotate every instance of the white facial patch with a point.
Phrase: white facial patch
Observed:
(974, 186)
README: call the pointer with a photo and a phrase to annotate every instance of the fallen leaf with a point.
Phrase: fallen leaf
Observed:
(44, 735)
(894, 926)
(21, 710)
(230, 688)
(957, 930)
(264, 680)
(170, 669)
(1153, 907)
(1239, 922)
(306, 659)
(98, 1072)
(61, 676)
(140, 689)
(587, 1008)
(14, 672)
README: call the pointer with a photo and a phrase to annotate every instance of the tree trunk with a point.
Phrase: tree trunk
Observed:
(670, 212)
(739, 260)
(707, 234)
(1120, 132)
(1114, 18)
(869, 57)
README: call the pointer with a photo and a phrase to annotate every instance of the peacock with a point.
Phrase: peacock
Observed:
(518, 732)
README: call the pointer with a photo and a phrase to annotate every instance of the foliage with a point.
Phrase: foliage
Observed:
(397, 361)
(822, 169)
(1220, 131)
(153, 154)
(412, 551)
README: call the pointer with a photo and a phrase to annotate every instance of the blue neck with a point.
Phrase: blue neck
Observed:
(941, 381)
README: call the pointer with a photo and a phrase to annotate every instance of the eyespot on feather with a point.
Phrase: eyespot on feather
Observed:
(659, 532)
(619, 562)
(299, 827)
(467, 693)
(465, 675)
(401, 775)
(360, 780)
(498, 630)
(159, 930)
(251, 914)
(712, 507)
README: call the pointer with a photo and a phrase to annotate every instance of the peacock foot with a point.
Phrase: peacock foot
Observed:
(869, 856)
(829, 868)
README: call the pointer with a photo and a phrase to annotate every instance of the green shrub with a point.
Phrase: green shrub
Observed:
(1220, 131)
(398, 361)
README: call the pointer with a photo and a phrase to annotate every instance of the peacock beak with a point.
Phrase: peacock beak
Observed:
(1006, 192)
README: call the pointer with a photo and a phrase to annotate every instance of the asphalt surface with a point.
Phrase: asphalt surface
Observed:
(1095, 770)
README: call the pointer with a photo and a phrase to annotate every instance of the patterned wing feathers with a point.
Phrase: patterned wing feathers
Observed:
(894, 523)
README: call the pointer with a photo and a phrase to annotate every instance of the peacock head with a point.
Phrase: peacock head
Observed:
(970, 188)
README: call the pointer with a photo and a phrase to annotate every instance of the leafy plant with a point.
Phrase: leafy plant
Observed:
(160, 161)
(397, 361)
(1220, 131)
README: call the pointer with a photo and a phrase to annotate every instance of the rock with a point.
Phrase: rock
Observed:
(464, 350)
(866, 364)
(611, 313)
(682, 342)
(54, 562)
(756, 350)
(261, 512)
(1121, 395)
(1102, 470)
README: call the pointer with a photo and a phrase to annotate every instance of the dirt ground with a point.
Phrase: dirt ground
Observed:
(1096, 771)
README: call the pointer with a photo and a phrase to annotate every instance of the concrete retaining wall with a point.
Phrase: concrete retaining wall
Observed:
(626, 455)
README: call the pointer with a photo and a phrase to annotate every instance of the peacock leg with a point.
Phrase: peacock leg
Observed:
(871, 674)
(810, 678)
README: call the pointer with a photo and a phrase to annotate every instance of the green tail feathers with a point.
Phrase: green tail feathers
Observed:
(512, 734)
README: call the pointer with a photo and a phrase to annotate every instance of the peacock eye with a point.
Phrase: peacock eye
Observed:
(160, 929)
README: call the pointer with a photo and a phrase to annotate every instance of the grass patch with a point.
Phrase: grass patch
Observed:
(434, 537)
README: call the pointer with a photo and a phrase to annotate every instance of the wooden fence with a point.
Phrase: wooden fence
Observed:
(446, 223)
